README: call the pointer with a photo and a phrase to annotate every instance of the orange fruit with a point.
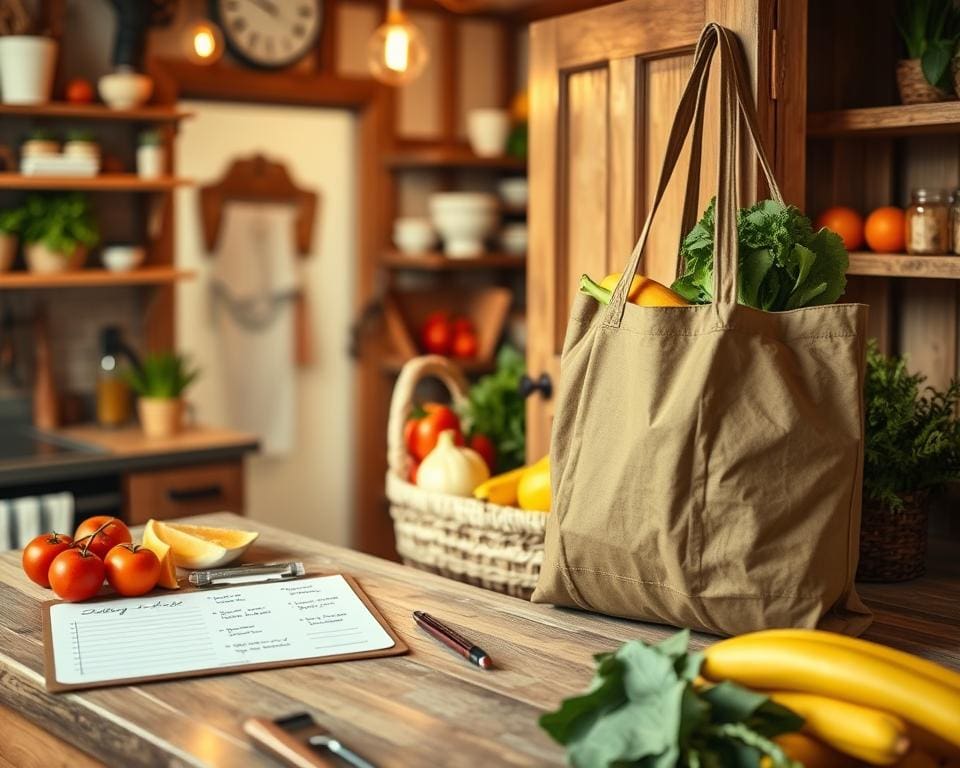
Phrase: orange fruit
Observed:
(153, 542)
(197, 546)
(884, 230)
(846, 222)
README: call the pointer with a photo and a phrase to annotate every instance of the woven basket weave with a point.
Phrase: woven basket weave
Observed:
(913, 86)
(498, 548)
(893, 544)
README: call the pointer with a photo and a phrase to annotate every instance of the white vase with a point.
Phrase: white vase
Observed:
(8, 250)
(27, 65)
(150, 161)
(43, 261)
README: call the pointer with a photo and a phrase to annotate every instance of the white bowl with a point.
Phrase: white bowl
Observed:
(488, 130)
(464, 220)
(513, 239)
(122, 258)
(414, 235)
(125, 90)
(513, 192)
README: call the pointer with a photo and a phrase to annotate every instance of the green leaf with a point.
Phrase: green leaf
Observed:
(754, 267)
(935, 62)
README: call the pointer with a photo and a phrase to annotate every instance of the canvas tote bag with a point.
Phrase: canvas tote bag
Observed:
(707, 460)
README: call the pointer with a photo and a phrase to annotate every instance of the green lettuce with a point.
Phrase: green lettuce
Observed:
(784, 264)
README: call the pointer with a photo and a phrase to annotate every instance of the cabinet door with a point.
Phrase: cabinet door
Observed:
(604, 85)
(169, 493)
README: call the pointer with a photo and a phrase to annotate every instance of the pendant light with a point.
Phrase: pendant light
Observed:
(396, 52)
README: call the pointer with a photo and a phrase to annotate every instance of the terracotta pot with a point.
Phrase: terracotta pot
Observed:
(893, 543)
(913, 86)
(160, 416)
(8, 250)
(42, 260)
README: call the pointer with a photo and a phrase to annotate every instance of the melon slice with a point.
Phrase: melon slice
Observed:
(196, 546)
(168, 572)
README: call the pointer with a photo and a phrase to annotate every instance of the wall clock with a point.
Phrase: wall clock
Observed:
(270, 33)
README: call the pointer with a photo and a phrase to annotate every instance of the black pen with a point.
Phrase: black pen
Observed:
(457, 642)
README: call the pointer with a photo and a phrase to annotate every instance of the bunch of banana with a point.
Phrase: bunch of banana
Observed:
(859, 699)
(527, 487)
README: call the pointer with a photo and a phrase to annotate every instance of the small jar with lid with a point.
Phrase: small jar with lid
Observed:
(928, 222)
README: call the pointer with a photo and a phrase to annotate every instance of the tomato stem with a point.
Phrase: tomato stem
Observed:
(88, 539)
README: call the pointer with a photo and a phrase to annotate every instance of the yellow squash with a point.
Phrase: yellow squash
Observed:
(878, 738)
(810, 753)
(533, 491)
(839, 672)
(646, 292)
(501, 489)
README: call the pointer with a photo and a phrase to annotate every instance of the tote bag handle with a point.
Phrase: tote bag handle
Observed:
(735, 101)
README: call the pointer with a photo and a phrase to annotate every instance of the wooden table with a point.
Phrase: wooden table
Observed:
(427, 708)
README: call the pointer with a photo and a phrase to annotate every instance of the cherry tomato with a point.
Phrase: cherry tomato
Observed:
(79, 91)
(485, 447)
(76, 574)
(463, 325)
(465, 344)
(114, 533)
(428, 429)
(132, 570)
(39, 553)
(436, 336)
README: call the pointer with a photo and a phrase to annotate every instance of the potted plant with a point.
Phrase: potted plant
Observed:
(159, 382)
(58, 230)
(27, 60)
(930, 30)
(11, 223)
(912, 449)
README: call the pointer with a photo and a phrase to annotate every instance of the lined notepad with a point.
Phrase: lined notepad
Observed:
(209, 631)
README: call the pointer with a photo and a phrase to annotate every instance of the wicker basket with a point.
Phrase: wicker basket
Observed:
(498, 548)
(893, 544)
(913, 86)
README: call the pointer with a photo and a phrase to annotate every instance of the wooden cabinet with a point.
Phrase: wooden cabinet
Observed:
(604, 84)
(195, 490)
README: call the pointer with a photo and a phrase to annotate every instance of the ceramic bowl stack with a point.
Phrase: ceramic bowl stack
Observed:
(413, 236)
(465, 220)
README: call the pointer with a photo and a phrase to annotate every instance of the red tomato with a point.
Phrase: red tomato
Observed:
(485, 447)
(76, 575)
(465, 344)
(436, 336)
(132, 570)
(463, 325)
(409, 430)
(428, 429)
(114, 533)
(39, 553)
(79, 91)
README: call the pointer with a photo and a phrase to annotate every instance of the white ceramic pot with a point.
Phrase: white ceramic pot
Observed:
(488, 130)
(414, 235)
(150, 164)
(8, 250)
(513, 239)
(27, 65)
(42, 260)
(160, 416)
(122, 258)
(125, 89)
(513, 192)
(464, 220)
(39, 148)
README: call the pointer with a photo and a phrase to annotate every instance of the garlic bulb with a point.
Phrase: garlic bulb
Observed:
(450, 469)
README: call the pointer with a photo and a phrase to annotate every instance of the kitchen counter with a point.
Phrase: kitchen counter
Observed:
(92, 451)
(426, 708)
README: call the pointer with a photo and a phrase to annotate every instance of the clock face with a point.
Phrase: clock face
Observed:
(270, 33)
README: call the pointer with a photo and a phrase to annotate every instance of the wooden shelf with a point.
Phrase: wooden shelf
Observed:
(392, 365)
(104, 182)
(93, 278)
(904, 265)
(437, 262)
(899, 120)
(450, 158)
(146, 114)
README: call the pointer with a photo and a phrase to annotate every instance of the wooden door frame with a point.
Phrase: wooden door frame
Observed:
(373, 104)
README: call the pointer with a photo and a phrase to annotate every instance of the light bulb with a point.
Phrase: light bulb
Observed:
(204, 43)
(396, 52)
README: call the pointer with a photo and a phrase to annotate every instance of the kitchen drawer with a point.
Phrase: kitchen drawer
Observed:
(183, 491)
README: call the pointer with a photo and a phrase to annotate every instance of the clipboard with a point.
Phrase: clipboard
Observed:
(396, 648)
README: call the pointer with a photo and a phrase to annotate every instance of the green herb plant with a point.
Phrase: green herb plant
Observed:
(62, 222)
(78, 134)
(11, 220)
(496, 409)
(912, 436)
(930, 30)
(163, 375)
(783, 263)
(644, 710)
(151, 138)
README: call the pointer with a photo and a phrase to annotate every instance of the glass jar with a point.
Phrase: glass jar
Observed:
(955, 223)
(928, 222)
